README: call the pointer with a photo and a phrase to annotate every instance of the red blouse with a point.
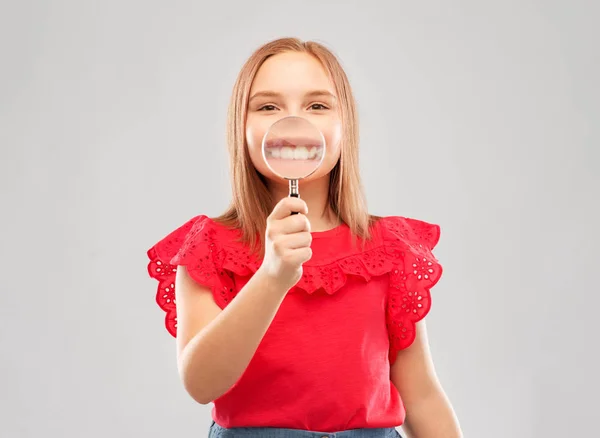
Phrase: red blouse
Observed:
(324, 363)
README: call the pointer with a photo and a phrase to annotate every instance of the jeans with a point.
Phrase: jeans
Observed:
(217, 431)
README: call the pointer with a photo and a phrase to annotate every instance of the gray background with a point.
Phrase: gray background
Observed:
(482, 116)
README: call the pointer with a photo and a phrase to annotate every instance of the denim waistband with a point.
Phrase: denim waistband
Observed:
(217, 431)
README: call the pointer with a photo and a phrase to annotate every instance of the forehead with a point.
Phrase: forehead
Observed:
(292, 71)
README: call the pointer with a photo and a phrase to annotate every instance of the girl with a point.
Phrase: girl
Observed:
(305, 325)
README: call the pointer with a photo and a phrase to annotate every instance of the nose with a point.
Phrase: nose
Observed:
(294, 112)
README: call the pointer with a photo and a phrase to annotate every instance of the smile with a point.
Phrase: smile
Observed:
(294, 153)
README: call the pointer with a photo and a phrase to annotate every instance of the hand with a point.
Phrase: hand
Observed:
(287, 242)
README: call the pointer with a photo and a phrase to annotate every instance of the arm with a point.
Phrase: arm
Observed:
(215, 346)
(428, 410)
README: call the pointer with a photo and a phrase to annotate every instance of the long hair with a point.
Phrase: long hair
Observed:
(251, 200)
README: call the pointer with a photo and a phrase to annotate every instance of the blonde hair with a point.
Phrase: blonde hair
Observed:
(251, 200)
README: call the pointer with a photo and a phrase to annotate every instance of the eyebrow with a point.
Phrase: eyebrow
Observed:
(314, 93)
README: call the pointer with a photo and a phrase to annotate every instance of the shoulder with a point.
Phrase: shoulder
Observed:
(211, 253)
(406, 229)
(203, 245)
(198, 230)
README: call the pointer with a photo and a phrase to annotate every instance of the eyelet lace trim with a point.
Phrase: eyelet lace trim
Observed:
(410, 242)
(404, 251)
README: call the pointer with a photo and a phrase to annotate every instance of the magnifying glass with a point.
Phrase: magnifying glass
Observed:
(293, 149)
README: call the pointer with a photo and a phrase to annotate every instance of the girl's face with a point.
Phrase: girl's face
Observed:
(293, 84)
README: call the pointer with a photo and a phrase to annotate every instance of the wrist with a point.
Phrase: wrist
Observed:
(269, 282)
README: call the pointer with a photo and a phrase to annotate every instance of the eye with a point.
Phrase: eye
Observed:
(267, 108)
(318, 107)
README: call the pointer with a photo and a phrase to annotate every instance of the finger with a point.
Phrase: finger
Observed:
(293, 224)
(297, 240)
(300, 255)
(287, 206)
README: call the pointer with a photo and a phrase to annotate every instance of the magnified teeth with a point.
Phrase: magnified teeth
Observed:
(287, 153)
(301, 153)
(297, 153)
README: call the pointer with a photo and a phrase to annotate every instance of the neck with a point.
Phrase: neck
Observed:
(315, 193)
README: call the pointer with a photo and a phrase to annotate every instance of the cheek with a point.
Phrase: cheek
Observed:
(255, 132)
(333, 137)
(254, 135)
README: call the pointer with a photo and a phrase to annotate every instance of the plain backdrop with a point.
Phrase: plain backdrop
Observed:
(481, 116)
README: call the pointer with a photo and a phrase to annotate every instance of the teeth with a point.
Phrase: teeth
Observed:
(287, 153)
(298, 153)
(301, 153)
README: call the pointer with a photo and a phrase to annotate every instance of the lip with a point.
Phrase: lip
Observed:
(293, 143)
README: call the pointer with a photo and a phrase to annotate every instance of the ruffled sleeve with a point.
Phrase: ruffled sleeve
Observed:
(410, 242)
(200, 246)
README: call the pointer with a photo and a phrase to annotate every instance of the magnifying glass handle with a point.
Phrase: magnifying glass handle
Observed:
(294, 191)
